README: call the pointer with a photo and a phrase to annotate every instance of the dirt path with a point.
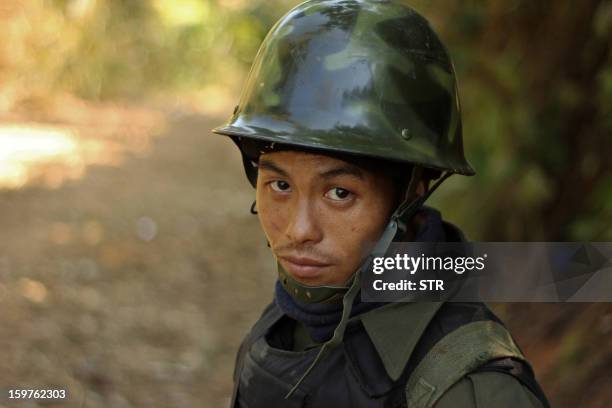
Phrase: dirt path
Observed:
(131, 286)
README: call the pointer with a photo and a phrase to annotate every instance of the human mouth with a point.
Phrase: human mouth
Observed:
(303, 267)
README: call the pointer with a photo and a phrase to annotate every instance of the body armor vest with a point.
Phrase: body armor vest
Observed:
(352, 375)
(359, 378)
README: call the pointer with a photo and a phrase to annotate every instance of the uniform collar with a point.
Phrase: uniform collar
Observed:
(395, 330)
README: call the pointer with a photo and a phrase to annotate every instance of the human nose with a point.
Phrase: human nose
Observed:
(303, 225)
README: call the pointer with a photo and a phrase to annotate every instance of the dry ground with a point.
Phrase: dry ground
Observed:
(133, 285)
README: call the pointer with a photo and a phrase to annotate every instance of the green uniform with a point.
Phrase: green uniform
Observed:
(478, 388)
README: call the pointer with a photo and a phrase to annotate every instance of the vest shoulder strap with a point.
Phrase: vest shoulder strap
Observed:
(457, 354)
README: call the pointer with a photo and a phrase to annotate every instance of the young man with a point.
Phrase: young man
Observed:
(349, 113)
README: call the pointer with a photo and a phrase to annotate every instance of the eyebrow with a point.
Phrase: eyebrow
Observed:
(338, 171)
(265, 164)
(341, 171)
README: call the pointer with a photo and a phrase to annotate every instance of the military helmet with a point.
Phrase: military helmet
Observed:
(367, 78)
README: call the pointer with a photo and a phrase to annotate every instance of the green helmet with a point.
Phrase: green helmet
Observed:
(368, 78)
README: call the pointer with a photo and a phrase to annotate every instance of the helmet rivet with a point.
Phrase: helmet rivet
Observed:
(308, 295)
(406, 134)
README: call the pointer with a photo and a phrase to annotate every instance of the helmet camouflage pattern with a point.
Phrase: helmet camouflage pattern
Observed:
(369, 78)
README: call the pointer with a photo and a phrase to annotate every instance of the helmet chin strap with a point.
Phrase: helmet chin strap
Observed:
(395, 231)
(331, 294)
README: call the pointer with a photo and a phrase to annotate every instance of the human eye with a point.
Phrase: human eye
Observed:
(338, 194)
(280, 186)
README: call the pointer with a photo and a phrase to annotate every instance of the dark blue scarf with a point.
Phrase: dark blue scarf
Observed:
(320, 319)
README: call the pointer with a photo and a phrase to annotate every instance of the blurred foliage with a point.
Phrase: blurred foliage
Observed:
(105, 49)
(535, 85)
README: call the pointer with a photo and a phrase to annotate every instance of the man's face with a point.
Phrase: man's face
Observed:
(321, 215)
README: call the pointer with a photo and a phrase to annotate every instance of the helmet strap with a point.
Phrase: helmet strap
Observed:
(415, 178)
(331, 294)
(408, 208)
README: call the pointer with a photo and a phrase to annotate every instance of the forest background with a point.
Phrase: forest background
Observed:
(130, 266)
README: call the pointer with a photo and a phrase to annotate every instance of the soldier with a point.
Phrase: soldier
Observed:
(349, 113)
